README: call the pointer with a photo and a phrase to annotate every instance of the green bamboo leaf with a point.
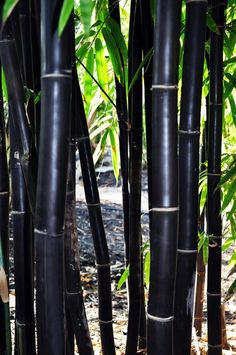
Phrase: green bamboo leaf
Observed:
(8, 7)
(231, 193)
(147, 261)
(66, 10)
(114, 54)
(114, 154)
(101, 65)
(205, 251)
(86, 9)
(231, 291)
(99, 130)
(120, 41)
(100, 148)
(123, 277)
(212, 24)
(229, 174)
(88, 80)
(4, 86)
(139, 70)
(233, 108)
(119, 38)
(230, 85)
(229, 61)
(229, 241)
(82, 51)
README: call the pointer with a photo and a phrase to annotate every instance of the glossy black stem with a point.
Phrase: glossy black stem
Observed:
(74, 292)
(165, 208)
(16, 99)
(122, 113)
(97, 228)
(5, 332)
(147, 44)
(189, 133)
(214, 224)
(23, 253)
(135, 170)
(56, 85)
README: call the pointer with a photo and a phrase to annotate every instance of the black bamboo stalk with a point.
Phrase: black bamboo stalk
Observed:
(5, 332)
(16, 99)
(189, 173)
(35, 33)
(98, 233)
(147, 44)
(135, 169)
(25, 20)
(56, 87)
(122, 113)
(23, 254)
(165, 209)
(74, 292)
(214, 227)
(201, 269)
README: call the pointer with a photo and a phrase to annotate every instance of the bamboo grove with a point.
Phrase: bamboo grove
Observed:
(155, 81)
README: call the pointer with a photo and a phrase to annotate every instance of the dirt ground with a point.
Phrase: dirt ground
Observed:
(110, 195)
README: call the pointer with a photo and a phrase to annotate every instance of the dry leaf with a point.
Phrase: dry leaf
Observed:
(3, 286)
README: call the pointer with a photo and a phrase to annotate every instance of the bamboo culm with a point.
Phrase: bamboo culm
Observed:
(5, 331)
(23, 254)
(74, 292)
(56, 88)
(165, 209)
(98, 232)
(135, 169)
(122, 113)
(214, 224)
(147, 44)
(189, 133)
(16, 99)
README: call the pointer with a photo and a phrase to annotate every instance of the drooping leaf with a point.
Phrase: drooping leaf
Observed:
(139, 70)
(231, 291)
(114, 154)
(231, 193)
(147, 260)
(82, 51)
(211, 24)
(66, 10)
(88, 80)
(114, 54)
(229, 174)
(100, 148)
(4, 85)
(86, 9)
(8, 7)
(233, 108)
(100, 129)
(101, 65)
(123, 278)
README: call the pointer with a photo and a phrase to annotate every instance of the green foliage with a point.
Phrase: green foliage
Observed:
(66, 10)
(8, 7)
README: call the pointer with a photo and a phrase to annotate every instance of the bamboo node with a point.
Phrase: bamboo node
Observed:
(164, 86)
(184, 251)
(214, 174)
(215, 346)
(45, 233)
(103, 265)
(56, 75)
(196, 1)
(181, 131)
(214, 294)
(160, 319)
(93, 204)
(19, 212)
(80, 139)
(4, 193)
(165, 209)
(105, 321)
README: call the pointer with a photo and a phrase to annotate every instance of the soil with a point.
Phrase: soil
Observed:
(110, 195)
